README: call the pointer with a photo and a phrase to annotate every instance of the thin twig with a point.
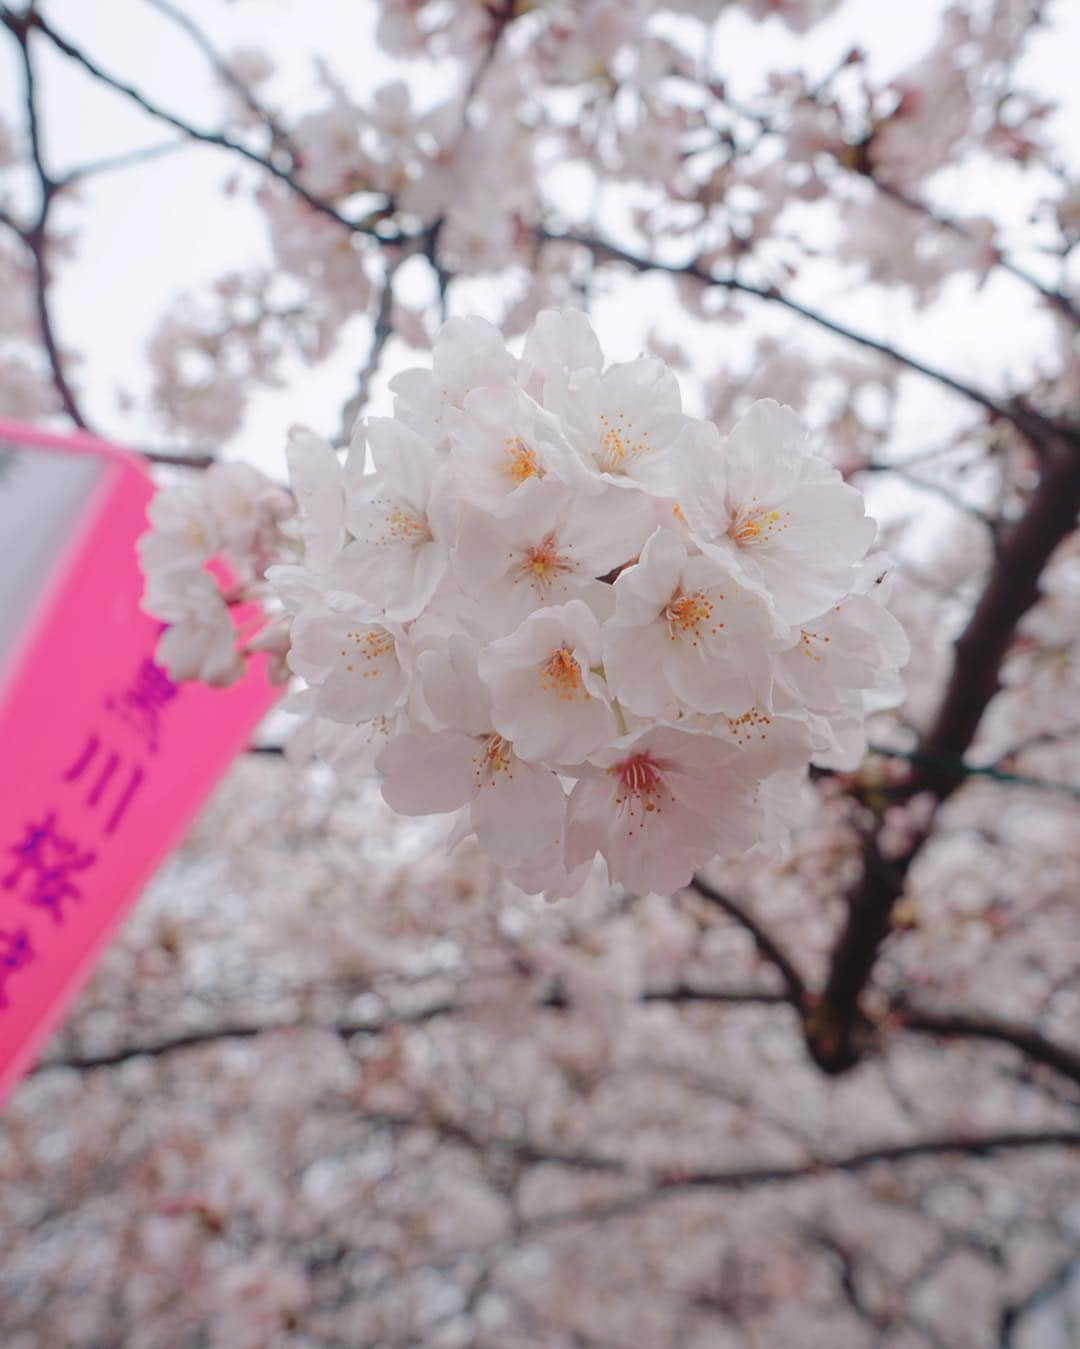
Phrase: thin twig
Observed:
(961, 769)
(213, 138)
(553, 1000)
(603, 249)
(1057, 298)
(225, 72)
(35, 236)
(381, 333)
(677, 1183)
(125, 160)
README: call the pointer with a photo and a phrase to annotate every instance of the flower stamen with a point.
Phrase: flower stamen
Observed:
(686, 613)
(640, 783)
(561, 674)
(542, 564)
(495, 757)
(757, 526)
(618, 443)
(405, 526)
(521, 461)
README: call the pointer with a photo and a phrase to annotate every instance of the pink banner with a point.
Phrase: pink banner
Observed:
(105, 759)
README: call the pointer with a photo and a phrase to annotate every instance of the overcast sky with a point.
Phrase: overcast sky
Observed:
(148, 234)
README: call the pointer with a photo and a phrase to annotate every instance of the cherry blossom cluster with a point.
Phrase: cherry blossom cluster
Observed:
(235, 518)
(543, 597)
(622, 92)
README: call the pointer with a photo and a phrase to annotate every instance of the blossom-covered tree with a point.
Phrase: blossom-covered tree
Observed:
(800, 1069)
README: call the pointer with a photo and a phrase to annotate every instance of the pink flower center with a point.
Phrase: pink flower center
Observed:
(640, 781)
(542, 564)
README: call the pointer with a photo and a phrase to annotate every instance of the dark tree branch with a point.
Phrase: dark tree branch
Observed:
(963, 1025)
(178, 459)
(1049, 1287)
(381, 333)
(675, 1183)
(768, 947)
(966, 770)
(1057, 298)
(553, 1000)
(1012, 588)
(213, 138)
(35, 236)
(604, 250)
(221, 1034)
(717, 997)
(225, 72)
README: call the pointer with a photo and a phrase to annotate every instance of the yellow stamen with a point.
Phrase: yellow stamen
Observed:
(806, 644)
(521, 461)
(404, 525)
(686, 613)
(757, 526)
(618, 443)
(372, 644)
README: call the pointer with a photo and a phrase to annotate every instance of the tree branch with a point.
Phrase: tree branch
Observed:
(213, 138)
(381, 333)
(604, 250)
(768, 947)
(225, 72)
(1012, 588)
(675, 1183)
(963, 1025)
(126, 159)
(1057, 298)
(35, 236)
(553, 1000)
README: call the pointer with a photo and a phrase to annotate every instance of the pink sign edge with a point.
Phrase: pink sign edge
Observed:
(117, 460)
(18, 433)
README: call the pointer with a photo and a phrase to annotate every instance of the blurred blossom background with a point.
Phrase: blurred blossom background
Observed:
(331, 1086)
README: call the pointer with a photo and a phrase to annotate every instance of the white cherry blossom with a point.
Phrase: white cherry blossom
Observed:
(200, 641)
(546, 697)
(468, 354)
(515, 808)
(496, 447)
(318, 483)
(659, 804)
(617, 427)
(552, 546)
(558, 346)
(401, 521)
(540, 572)
(764, 500)
(354, 660)
(184, 532)
(686, 635)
